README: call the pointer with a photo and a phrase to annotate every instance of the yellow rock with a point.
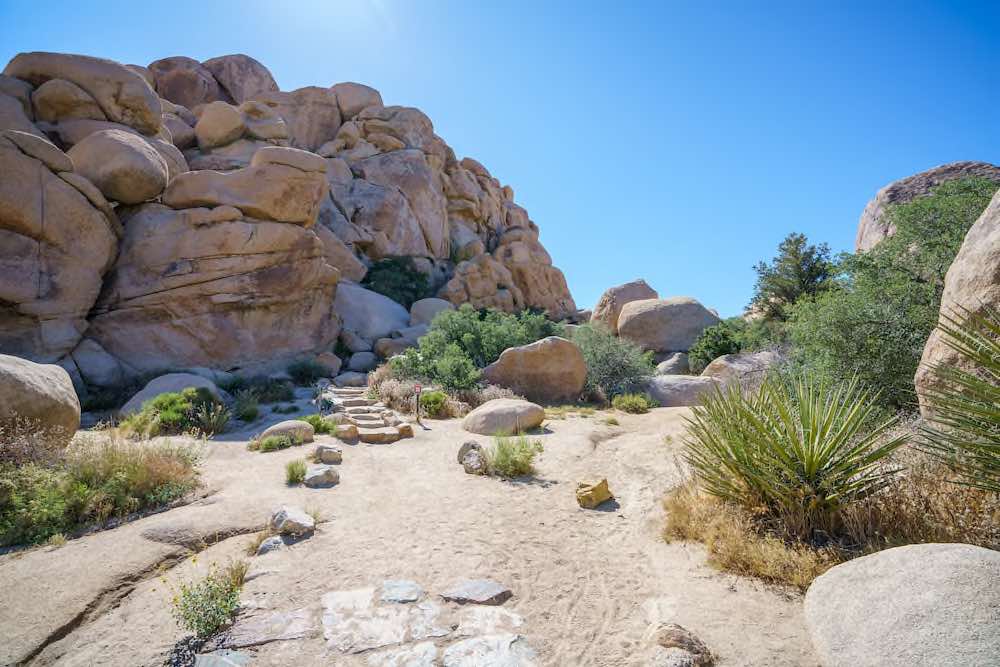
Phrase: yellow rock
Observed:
(591, 494)
(405, 430)
(346, 432)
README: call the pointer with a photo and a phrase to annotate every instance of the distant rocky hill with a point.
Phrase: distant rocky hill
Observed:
(190, 214)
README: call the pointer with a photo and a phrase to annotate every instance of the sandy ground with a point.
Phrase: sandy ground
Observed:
(587, 583)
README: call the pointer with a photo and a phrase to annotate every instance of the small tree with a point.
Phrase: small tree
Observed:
(799, 269)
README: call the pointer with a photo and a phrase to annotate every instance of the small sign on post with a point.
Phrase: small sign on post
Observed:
(416, 399)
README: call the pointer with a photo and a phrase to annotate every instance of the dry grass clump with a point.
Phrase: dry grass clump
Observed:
(736, 544)
(478, 395)
(564, 411)
(295, 472)
(25, 440)
(511, 457)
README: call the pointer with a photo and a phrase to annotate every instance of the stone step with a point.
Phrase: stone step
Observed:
(379, 436)
(355, 402)
(364, 410)
(367, 420)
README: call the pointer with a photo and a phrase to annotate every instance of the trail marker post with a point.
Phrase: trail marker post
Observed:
(416, 400)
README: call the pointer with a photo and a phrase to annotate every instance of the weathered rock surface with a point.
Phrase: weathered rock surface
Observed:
(123, 95)
(124, 167)
(58, 99)
(591, 494)
(265, 190)
(425, 310)
(368, 314)
(206, 287)
(292, 521)
(353, 622)
(504, 416)
(496, 650)
(920, 605)
(672, 391)
(240, 76)
(665, 325)
(401, 590)
(748, 367)
(973, 284)
(873, 227)
(55, 247)
(311, 113)
(185, 81)
(293, 428)
(352, 98)
(320, 476)
(329, 453)
(675, 364)
(551, 370)
(478, 591)
(164, 384)
(41, 393)
(610, 305)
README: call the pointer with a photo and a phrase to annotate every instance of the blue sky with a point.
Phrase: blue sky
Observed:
(678, 142)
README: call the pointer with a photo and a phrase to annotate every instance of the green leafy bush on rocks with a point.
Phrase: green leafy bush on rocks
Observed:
(207, 605)
(173, 413)
(614, 365)
(398, 279)
(634, 403)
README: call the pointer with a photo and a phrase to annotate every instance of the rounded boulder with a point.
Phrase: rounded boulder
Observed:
(551, 369)
(609, 306)
(504, 416)
(41, 393)
(665, 325)
(920, 605)
(123, 166)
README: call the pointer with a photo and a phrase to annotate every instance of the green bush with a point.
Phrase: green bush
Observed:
(799, 270)
(99, 477)
(273, 443)
(513, 456)
(318, 422)
(295, 472)
(434, 403)
(211, 418)
(715, 341)
(965, 400)
(873, 325)
(245, 405)
(206, 606)
(614, 365)
(634, 403)
(169, 414)
(398, 279)
(269, 390)
(800, 455)
(305, 373)
(460, 342)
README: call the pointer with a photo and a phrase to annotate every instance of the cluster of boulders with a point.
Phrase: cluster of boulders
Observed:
(191, 214)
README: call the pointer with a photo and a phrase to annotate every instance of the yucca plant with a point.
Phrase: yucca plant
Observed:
(964, 403)
(796, 452)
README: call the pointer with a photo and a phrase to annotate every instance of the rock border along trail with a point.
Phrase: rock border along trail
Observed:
(585, 584)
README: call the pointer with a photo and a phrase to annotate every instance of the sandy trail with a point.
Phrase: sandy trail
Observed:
(587, 583)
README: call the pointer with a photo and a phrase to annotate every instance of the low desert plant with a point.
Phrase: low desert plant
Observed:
(634, 403)
(611, 421)
(614, 365)
(273, 443)
(295, 472)
(318, 422)
(513, 456)
(305, 373)
(258, 538)
(246, 406)
(25, 440)
(270, 390)
(564, 411)
(434, 403)
(965, 400)
(285, 409)
(398, 279)
(171, 413)
(799, 455)
(211, 418)
(98, 477)
(476, 396)
(207, 605)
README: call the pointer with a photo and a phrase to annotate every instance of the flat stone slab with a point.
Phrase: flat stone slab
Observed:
(423, 654)
(355, 401)
(379, 436)
(500, 650)
(477, 591)
(401, 590)
(263, 629)
(353, 622)
(477, 620)
(222, 658)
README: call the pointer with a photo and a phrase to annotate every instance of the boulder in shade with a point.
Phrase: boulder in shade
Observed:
(41, 393)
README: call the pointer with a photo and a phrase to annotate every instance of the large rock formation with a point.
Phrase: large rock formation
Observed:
(873, 227)
(609, 306)
(972, 285)
(551, 369)
(232, 249)
(665, 325)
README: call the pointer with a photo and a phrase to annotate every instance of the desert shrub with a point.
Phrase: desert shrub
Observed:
(874, 323)
(318, 422)
(634, 403)
(99, 477)
(799, 270)
(270, 390)
(965, 400)
(273, 443)
(799, 455)
(398, 279)
(169, 414)
(610, 421)
(434, 403)
(25, 440)
(715, 341)
(211, 418)
(285, 409)
(614, 365)
(245, 405)
(295, 472)
(476, 396)
(207, 605)
(305, 373)
(513, 456)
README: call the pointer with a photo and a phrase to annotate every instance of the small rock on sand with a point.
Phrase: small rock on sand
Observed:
(478, 591)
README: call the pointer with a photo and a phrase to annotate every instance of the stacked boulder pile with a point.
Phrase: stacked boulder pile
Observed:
(191, 214)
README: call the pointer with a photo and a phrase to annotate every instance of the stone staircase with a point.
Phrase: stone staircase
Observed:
(375, 423)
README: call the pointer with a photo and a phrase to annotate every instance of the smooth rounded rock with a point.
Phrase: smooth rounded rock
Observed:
(664, 325)
(673, 391)
(293, 428)
(610, 305)
(219, 124)
(291, 520)
(123, 166)
(41, 393)
(504, 416)
(424, 310)
(321, 476)
(550, 370)
(166, 384)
